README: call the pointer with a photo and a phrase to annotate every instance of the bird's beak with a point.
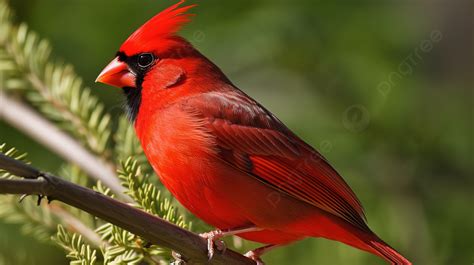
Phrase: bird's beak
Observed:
(117, 74)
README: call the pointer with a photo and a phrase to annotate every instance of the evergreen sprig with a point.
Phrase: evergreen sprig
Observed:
(122, 246)
(146, 194)
(78, 251)
(53, 87)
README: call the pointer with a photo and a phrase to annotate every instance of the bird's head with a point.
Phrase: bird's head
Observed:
(154, 64)
(149, 47)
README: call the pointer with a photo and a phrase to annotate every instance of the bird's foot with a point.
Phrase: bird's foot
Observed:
(257, 253)
(255, 256)
(213, 243)
(178, 259)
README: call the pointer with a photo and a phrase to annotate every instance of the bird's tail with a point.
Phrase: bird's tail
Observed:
(370, 242)
(360, 237)
(383, 250)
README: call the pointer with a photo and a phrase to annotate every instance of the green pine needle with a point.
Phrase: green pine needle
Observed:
(79, 252)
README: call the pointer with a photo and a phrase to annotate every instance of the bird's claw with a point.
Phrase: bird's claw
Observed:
(255, 257)
(213, 243)
(178, 259)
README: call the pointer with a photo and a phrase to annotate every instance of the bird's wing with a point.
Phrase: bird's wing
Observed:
(254, 140)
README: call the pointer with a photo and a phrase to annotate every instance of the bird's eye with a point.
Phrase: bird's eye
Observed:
(145, 59)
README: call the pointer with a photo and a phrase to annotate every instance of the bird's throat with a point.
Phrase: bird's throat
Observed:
(133, 101)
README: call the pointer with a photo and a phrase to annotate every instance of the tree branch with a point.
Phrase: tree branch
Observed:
(26, 120)
(151, 228)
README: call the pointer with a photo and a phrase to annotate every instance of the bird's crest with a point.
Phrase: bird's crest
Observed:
(164, 24)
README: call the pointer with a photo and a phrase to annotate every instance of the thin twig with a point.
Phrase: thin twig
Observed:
(28, 121)
(151, 228)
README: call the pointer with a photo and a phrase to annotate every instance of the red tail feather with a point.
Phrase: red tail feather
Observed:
(386, 252)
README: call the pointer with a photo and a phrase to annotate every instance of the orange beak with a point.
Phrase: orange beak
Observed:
(117, 74)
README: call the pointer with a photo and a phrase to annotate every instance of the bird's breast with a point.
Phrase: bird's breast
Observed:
(182, 152)
(173, 139)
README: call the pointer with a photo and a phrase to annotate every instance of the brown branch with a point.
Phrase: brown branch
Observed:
(151, 228)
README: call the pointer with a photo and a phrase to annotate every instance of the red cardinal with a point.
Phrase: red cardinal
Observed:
(224, 156)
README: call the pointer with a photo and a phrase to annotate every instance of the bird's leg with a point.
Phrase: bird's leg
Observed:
(217, 234)
(256, 253)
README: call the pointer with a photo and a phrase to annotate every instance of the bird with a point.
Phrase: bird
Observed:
(224, 156)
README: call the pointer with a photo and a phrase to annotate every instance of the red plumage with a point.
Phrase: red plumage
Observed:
(225, 157)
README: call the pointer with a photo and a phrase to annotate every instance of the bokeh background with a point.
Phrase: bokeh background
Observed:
(384, 89)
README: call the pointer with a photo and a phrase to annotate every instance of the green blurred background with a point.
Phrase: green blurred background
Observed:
(384, 89)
